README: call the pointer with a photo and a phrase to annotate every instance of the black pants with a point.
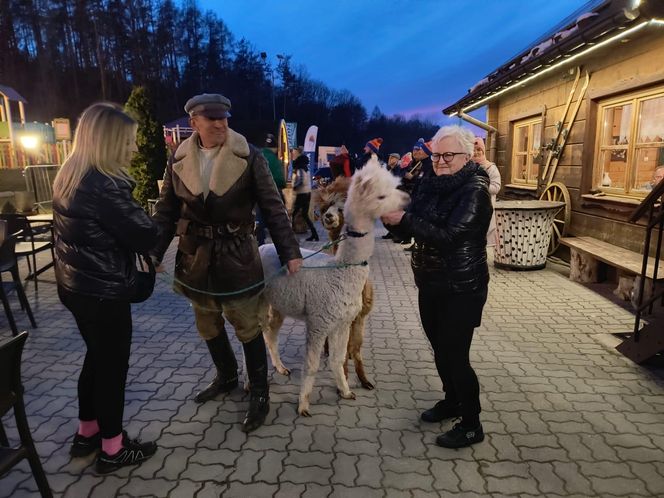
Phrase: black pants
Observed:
(302, 204)
(106, 328)
(449, 321)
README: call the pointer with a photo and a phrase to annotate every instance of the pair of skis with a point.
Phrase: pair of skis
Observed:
(557, 143)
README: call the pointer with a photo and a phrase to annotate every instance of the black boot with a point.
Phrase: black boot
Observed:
(224, 359)
(259, 403)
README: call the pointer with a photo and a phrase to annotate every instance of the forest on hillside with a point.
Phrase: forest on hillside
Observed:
(62, 55)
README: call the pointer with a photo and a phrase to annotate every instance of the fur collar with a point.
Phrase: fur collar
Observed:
(229, 164)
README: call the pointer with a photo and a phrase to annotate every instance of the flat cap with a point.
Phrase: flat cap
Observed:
(210, 105)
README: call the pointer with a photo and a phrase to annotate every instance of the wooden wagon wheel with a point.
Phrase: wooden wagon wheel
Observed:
(558, 192)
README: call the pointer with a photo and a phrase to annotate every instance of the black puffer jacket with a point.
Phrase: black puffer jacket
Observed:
(97, 233)
(449, 216)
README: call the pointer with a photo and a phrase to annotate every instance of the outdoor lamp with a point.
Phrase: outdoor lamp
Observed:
(29, 142)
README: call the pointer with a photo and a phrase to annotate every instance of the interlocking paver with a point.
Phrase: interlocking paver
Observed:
(563, 415)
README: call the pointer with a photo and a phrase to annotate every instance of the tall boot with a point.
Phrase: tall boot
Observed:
(224, 359)
(259, 403)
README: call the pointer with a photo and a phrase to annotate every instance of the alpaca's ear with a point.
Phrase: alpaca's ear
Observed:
(363, 186)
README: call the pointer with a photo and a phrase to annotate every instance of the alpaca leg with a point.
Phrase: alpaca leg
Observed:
(314, 347)
(355, 350)
(271, 334)
(338, 343)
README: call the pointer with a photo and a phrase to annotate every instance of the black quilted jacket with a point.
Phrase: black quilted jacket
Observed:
(449, 216)
(97, 233)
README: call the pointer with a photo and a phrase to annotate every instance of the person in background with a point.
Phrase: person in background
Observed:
(479, 156)
(449, 215)
(302, 189)
(393, 164)
(99, 228)
(274, 164)
(419, 165)
(211, 185)
(277, 170)
(370, 148)
(394, 168)
(341, 164)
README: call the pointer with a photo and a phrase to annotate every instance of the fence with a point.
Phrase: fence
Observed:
(39, 181)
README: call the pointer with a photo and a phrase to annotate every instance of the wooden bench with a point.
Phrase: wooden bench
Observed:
(587, 252)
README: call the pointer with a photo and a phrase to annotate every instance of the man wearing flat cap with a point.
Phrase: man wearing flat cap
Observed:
(212, 185)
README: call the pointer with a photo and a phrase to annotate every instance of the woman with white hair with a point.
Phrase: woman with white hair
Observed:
(449, 216)
(98, 230)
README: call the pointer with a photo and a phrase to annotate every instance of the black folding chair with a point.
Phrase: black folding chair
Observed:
(11, 396)
(9, 263)
(30, 242)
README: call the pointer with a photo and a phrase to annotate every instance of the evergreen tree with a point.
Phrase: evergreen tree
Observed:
(148, 164)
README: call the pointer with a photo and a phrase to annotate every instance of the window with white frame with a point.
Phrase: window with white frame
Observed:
(526, 138)
(630, 143)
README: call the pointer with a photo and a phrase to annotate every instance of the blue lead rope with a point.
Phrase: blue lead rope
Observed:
(274, 275)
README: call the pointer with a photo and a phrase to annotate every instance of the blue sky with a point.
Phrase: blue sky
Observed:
(405, 56)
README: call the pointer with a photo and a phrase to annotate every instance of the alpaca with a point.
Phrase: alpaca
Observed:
(373, 192)
(330, 201)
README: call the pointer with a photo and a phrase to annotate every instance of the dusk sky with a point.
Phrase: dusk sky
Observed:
(405, 56)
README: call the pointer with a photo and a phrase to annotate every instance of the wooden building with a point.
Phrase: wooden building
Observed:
(582, 107)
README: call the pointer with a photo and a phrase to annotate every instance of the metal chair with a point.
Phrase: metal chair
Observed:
(30, 242)
(9, 263)
(11, 396)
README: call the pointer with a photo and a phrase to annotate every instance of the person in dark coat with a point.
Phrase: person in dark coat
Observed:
(370, 148)
(211, 186)
(449, 214)
(302, 190)
(98, 230)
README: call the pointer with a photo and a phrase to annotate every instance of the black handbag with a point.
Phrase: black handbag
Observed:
(144, 281)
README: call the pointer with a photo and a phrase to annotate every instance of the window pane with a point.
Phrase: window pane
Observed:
(651, 120)
(532, 171)
(616, 125)
(647, 160)
(519, 169)
(522, 139)
(537, 136)
(613, 164)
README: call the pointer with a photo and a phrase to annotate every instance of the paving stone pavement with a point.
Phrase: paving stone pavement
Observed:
(564, 415)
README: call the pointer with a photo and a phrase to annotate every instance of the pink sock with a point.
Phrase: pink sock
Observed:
(88, 428)
(111, 446)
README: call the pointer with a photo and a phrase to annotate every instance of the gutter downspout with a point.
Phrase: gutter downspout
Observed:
(477, 122)
(487, 127)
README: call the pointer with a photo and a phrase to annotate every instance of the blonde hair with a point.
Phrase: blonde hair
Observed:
(464, 136)
(103, 137)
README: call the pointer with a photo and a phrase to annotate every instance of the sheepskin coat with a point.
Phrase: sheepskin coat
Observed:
(217, 250)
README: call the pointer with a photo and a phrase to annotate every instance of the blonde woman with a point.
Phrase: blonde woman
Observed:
(98, 229)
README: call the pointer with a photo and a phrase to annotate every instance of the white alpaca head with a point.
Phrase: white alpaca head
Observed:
(373, 192)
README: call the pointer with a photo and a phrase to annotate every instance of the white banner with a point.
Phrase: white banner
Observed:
(310, 148)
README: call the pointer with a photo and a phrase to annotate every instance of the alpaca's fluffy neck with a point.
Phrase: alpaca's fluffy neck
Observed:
(357, 249)
(333, 234)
